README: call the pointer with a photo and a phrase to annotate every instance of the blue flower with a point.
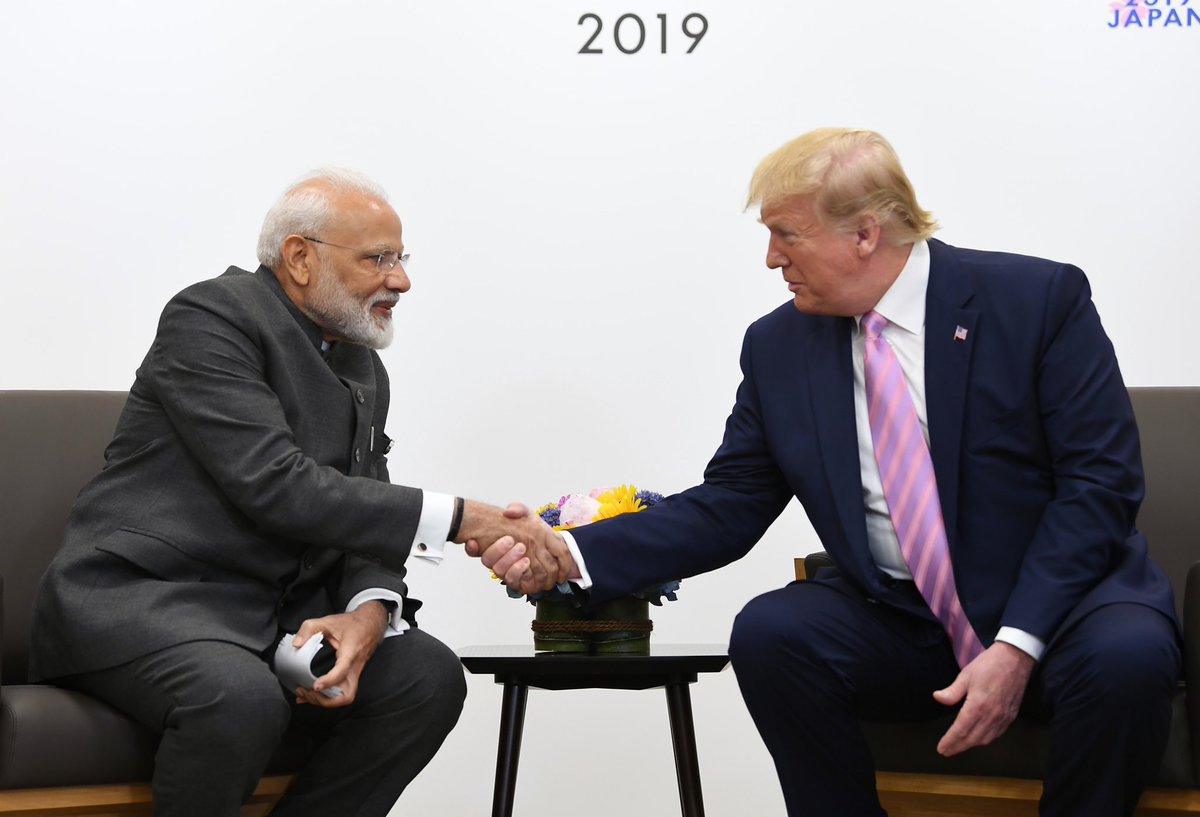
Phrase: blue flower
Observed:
(649, 498)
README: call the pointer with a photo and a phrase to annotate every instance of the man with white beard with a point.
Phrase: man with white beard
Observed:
(245, 507)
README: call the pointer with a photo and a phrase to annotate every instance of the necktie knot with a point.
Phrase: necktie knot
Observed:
(873, 324)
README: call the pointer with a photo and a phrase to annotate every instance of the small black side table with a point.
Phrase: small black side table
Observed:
(673, 666)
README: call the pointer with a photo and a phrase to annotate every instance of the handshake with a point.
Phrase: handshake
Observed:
(517, 545)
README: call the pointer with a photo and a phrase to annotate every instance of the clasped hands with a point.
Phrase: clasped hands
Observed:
(517, 545)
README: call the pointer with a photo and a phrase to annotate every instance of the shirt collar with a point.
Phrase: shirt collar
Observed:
(904, 303)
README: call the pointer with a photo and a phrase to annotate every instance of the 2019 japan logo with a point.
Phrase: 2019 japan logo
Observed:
(1148, 14)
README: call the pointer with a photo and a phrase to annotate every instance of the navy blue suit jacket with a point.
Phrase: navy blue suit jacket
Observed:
(1032, 436)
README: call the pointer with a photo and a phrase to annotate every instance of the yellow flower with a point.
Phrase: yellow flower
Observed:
(618, 501)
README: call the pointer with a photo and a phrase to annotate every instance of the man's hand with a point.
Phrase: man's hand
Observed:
(993, 685)
(355, 637)
(518, 546)
(506, 557)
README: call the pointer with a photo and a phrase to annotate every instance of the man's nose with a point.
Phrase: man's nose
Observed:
(397, 279)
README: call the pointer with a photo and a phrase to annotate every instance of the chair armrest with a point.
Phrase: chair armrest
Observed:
(815, 562)
(1191, 658)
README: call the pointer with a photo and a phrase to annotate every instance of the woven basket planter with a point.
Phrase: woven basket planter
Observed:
(620, 626)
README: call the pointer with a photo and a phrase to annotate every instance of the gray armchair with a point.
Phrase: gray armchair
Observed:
(62, 752)
(1002, 778)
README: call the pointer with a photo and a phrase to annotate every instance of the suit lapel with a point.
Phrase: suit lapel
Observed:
(831, 392)
(951, 331)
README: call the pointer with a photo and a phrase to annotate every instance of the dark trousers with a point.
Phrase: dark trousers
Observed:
(812, 660)
(222, 713)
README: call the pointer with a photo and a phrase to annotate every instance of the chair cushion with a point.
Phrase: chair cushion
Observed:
(1021, 752)
(58, 737)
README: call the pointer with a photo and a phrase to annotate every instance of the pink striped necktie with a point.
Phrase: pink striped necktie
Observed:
(910, 488)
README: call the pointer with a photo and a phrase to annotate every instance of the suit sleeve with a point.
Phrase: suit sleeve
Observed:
(359, 574)
(1092, 442)
(704, 527)
(210, 372)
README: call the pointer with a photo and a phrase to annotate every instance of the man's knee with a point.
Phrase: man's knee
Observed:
(442, 683)
(248, 710)
(1126, 655)
(221, 710)
(425, 676)
(763, 631)
(217, 691)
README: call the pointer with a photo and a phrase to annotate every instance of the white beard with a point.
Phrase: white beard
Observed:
(336, 311)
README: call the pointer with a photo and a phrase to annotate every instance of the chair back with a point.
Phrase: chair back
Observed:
(1168, 421)
(51, 444)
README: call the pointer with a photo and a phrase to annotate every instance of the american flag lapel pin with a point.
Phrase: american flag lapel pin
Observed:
(960, 333)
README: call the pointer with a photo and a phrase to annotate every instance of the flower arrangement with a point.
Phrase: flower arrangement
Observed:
(574, 510)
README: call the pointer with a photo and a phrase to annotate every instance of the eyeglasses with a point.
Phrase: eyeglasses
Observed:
(384, 261)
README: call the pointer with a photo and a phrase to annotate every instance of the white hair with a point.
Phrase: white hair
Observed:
(304, 209)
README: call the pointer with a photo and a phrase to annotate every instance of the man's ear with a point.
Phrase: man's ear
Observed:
(297, 260)
(868, 235)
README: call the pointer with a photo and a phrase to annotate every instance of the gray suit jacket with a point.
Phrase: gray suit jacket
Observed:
(245, 490)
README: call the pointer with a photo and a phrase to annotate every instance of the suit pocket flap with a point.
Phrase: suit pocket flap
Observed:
(154, 554)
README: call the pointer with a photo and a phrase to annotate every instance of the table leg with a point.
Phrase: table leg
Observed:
(512, 724)
(683, 738)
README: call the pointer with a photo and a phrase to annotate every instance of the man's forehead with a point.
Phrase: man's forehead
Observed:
(361, 211)
(360, 203)
(795, 210)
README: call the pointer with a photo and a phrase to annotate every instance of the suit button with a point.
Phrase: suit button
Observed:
(360, 397)
(358, 455)
(308, 561)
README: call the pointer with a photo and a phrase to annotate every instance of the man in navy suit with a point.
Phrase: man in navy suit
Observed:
(1038, 478)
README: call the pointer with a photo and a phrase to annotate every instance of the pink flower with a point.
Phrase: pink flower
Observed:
(578, 510)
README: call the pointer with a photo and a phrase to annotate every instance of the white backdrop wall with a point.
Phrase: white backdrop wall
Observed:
(583, 267)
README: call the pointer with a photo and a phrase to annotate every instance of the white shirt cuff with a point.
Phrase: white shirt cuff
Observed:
(1023, 641)
(437, 511)
(585, 580)
(396, 625)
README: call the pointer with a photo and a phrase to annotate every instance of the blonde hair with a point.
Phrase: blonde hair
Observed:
(849, 173)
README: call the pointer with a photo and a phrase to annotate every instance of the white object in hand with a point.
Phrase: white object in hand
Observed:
(293, 665)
